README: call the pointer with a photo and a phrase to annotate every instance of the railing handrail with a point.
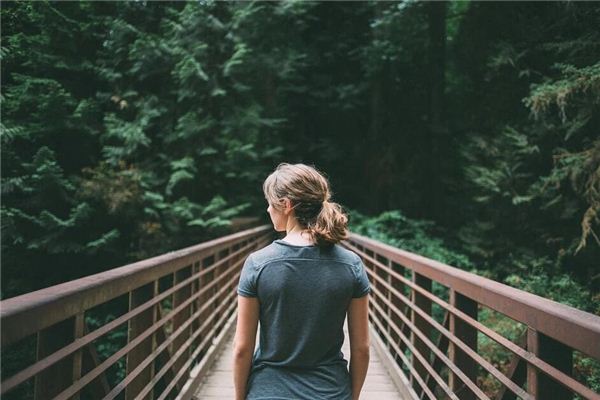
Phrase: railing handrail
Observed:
(28, 313)
(554, 319)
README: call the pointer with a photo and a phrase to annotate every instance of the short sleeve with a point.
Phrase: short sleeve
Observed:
(247, 283)
(362, 285)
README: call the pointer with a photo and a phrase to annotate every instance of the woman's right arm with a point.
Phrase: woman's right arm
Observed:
(358, 332)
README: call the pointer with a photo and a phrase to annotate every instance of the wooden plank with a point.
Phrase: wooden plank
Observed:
(379, 384)
(391, 368)
(200, 371)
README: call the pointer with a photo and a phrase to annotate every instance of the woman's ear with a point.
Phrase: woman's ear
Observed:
(287, 205)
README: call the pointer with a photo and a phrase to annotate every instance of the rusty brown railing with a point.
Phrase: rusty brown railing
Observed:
(437, 357)
(177, 306)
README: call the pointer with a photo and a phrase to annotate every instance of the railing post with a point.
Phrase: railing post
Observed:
(179, 297)
(196, 268)
(468, 335)
(59, 376)
(205, 298)
(388, 279)
(539, 385)
(380, 289)
(220, 272)
(422, 325)
(99, 387)
(78, 355)
(396, 301)
(384, 292)
(135, 327)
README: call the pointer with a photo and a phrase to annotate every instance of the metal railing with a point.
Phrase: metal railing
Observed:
(176, 308)
(437, 355)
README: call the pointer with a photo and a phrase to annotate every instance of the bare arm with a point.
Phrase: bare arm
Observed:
(358, 331)
(244, 342)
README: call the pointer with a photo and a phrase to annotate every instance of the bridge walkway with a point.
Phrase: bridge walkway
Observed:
(218, 383)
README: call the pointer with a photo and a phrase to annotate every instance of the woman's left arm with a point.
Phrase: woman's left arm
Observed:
(244, 342)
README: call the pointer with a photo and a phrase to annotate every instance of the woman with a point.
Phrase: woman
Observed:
(301, 287)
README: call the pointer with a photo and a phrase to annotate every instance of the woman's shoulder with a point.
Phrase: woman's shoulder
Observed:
(273, 252)
(346, 255)
(264, 254)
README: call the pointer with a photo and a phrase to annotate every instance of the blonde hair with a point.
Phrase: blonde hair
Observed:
(309, 192)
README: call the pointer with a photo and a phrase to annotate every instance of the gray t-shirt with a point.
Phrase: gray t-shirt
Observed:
(304, 293)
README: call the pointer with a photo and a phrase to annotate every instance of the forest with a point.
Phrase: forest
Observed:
(466, 132)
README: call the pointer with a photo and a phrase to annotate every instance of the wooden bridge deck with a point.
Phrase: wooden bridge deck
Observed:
(218, 383)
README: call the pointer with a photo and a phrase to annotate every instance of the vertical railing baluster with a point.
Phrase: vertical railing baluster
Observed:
(206, 298)
(220, 273)
(99, 387)
(384, 295)
(396, 301)
(196, 305)
(532, 376)
(219, 255)
(179, 297)
(79, 331)
(57, 377)
(540, 385)
(388, 279)
(422, 325)
(467, 334)
(54, 317)
(135, 327)
(377, 288)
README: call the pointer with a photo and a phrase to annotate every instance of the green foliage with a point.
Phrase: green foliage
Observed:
(577, 89)
(34, 226)
(587, 370)
(558, 287)
(133, 128)
(496, 166)
(109, 344)
(533, 175)
(532, 274)
(417, 236)
(127, 143)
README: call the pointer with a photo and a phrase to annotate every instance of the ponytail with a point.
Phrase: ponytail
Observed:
(331, 225)
(309, 191)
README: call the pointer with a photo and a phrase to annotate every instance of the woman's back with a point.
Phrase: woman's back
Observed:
(304, 293)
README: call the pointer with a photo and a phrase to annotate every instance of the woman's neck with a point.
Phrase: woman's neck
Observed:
(298, 237)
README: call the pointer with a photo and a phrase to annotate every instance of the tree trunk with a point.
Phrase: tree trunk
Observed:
(437, 131)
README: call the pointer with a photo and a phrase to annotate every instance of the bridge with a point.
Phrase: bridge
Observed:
(172, 337)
